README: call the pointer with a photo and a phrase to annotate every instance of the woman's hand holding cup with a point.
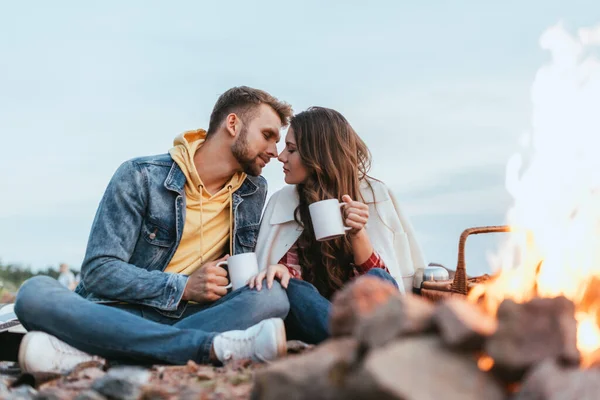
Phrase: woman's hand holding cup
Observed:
(356, 215)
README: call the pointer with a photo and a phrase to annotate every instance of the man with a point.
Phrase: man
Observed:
(66, 277)
(151, 291)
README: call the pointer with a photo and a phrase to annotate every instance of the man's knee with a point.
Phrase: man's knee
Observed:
(272, 302)
(33, 297)
(382, 274)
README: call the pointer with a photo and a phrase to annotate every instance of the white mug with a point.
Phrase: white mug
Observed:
(241, 268)
(327, 219)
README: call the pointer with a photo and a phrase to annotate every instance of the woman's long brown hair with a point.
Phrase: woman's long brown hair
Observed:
(337, 160)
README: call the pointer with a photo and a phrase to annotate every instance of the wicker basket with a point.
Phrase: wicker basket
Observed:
(461, 284)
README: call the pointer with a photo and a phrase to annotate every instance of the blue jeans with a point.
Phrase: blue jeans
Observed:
(140, 334)
(308, 319)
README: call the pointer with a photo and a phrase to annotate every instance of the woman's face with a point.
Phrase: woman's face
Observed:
(293, 168)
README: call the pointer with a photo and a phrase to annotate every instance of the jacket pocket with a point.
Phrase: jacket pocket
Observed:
(247, 236)
(156, 235)
(157, 243)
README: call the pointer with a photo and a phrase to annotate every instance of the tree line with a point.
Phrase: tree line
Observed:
(12, 276)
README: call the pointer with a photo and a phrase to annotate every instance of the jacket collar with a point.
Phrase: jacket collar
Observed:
(176, 181)
(249, 186)
(286, 203)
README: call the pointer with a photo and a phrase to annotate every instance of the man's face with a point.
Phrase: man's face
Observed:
(256, 143)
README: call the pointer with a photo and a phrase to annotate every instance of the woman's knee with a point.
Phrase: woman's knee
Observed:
(33, 297)
(299, 288)
(272, 302)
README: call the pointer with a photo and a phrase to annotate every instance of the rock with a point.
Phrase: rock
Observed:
(89, 366)
(399, 316)
(36, 379)
(550, 381)
(4, 390)
(530, 333)
(205, 375)
(416, 368)
(356, 300)
(52, 394)
(192, 393)
(297, 346)
(9, 368)
(157, 393)
(136, 375)
(122, 383)
(90, 373)
(76, 381)
(90, 395)
(319, 373)
(463, 325)
(24, 392)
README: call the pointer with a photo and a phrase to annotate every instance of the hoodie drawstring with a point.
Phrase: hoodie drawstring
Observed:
(201, 188)
(230, 190)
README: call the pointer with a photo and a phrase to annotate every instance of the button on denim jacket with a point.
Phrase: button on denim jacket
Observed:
(138, 227)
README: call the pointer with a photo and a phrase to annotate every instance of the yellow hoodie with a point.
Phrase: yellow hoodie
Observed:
(208, 222)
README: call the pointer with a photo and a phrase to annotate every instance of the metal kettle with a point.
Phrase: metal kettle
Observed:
(429, 273)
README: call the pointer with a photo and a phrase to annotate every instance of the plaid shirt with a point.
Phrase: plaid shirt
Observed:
(292, 262)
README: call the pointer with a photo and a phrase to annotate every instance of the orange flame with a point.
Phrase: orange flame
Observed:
(555, 247)
(485, 363)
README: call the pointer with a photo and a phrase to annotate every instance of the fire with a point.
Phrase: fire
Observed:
(485, 363)
(588, 333)
(555, 247)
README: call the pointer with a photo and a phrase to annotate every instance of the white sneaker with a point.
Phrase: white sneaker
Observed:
(262, 342)
(41, 352)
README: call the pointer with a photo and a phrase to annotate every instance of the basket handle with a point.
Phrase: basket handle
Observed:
(459, 284)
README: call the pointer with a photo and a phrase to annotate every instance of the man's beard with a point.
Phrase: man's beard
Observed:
(241, 152)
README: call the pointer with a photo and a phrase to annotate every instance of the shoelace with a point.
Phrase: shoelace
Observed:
(68, 349)
(243, 347)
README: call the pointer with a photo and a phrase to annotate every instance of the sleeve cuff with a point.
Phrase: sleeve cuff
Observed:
(294, 272)
(374, 261)
(175, 287)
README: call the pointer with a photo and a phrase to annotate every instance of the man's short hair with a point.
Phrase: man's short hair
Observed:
(243, 101)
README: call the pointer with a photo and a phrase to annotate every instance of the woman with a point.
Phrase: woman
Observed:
(324, 158)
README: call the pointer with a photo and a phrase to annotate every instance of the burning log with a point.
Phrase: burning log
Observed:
(532, 332)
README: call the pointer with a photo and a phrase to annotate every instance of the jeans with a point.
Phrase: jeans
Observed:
(140, 334)
(308, 319)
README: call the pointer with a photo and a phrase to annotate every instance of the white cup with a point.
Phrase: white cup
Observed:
(327, 219)
(241, 268)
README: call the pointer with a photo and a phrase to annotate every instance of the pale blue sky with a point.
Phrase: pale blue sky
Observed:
(439, 90)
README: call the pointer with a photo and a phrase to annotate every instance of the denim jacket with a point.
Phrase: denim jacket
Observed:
(138, 226)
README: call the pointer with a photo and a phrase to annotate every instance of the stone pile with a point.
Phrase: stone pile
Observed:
(387, 346)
